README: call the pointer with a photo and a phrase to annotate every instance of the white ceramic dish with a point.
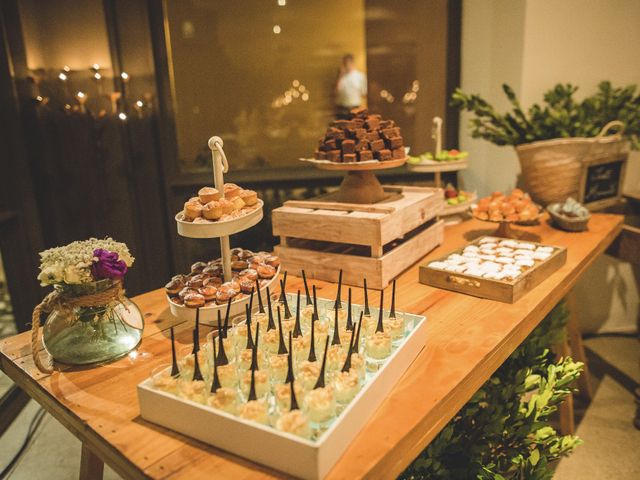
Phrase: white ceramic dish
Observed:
(285, 452)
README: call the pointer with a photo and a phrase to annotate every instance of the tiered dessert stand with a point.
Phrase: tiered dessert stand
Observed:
(221, 230)
(364, 228)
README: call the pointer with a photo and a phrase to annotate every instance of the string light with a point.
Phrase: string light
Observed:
(276, 29)
(66, 68)
(97, 76)
(282, 3)
(305, 96)
(387, 96)
(95, 66)
(62, 76)
(139, 104)
(81, 95)
(124, 76)
(122, 116)
(39, 98)
(298, 91)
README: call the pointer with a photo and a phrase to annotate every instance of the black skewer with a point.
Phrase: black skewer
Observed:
(297, 331)
(380, 326)
(260, 304)
(283, 284)
(289, 362)
(215, 385)
(294, 401)
(197, 325)
(249, 336)
(320, 383)
(356, 345)
(225, 329)
(347, 363)
(254, 351)
(197, 374)
(175, 371)
(315, 316)
(366, 299)
(252, 387)
(349, 318)
(271, 324)
(336, 328)
(306, 288)
(283, 299)
(392, 313)
(338, 304)
(221, 359)
(312, 345)
(282, 348)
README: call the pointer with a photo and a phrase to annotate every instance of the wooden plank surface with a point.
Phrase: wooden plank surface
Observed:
(467, 339)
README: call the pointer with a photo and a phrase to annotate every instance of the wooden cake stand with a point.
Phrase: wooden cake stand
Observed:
(360, 185)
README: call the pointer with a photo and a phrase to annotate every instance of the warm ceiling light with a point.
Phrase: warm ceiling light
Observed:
(305, 96)
(81, 94)
(139, 103)
(282, 3)
(62, 76)
(95, 66)
(276, 29)
(122, 116)
(97, 76)
(296, 83)
(66, 68)
(124, 76)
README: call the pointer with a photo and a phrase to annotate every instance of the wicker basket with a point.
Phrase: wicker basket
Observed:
(570, 224)
(551, 169)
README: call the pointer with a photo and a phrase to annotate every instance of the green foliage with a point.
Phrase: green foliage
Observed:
(503, 432)
(560, 115)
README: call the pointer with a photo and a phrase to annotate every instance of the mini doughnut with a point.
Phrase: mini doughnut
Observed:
(266, 271)
(198, 267)
(186, 291)
(211, 271)
(247, 285)
(193, 300)
(224, 293)
(181, 277)
(173, 287)
(249, 273)
(245, 255)
(212, 282)
(239, 265)
(208, 292)
(196, 281)
(272, 260)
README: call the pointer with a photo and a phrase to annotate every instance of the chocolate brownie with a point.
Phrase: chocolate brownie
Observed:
(333, 156)
(348, 146)
(395, 142)
(398, 153)
(382, 155)
(365, 155)
(377, 145)
(349, 157)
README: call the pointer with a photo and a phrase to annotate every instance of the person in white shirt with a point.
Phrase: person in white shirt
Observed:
(351, 87)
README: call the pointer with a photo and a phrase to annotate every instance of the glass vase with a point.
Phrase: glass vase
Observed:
(86, 335)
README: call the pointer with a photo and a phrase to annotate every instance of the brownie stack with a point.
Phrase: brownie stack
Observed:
(362, 137)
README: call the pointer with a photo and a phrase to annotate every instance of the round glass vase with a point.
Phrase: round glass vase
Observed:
(86, 335)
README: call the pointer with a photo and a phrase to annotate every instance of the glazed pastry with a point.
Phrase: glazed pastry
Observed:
(246, 286)
(173, 287)
(196, 281)
(227, 206)
(198, 267)
(225, 399)
(231, 190)
(192, 210)
(224, 293)
(193, 300)
(249, 274)
(266, 271)
(272, 260)
(208, 292)
(208, 194)
(212, 210)
(239, 265)
(249, 197)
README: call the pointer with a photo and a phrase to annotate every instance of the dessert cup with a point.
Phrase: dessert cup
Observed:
(320, 407)
(282, 394)
(347, 385)
(263, 386)
(278, 368)
(296, 423)
(194, 390)
(162, 379)
(255, 410)
(378, 349)
(308, 374)
(225, 399)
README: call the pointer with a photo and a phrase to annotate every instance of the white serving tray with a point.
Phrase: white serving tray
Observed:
(282, 451)
(209, 315)
(219, 229)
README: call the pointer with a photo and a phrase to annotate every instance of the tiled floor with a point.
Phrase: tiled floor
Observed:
(610, 450)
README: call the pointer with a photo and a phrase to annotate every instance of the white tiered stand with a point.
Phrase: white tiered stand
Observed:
(221, 230)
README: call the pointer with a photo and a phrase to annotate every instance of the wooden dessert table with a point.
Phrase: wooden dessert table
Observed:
(467, 340)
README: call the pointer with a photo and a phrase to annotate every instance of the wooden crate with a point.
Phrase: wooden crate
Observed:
(500, 290)
(378, 241)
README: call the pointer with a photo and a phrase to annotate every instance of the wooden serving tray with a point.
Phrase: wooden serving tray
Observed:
(508, 291)
(377, 241)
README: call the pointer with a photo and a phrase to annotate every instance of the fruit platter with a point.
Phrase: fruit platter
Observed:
(457, 200)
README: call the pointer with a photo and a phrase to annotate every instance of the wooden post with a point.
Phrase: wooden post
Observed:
(91, 467)
(220, 167)
(436, 134)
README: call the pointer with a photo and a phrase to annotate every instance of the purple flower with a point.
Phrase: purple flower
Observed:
(107, 265)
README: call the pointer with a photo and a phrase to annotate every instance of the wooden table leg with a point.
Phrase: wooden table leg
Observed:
(577, 347)
(91, 467)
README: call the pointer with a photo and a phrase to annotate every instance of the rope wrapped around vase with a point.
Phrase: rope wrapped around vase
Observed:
(57, 300)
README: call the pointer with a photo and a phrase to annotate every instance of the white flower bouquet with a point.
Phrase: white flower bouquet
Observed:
(84, 262)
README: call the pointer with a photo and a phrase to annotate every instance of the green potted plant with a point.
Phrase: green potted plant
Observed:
(553, 140)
